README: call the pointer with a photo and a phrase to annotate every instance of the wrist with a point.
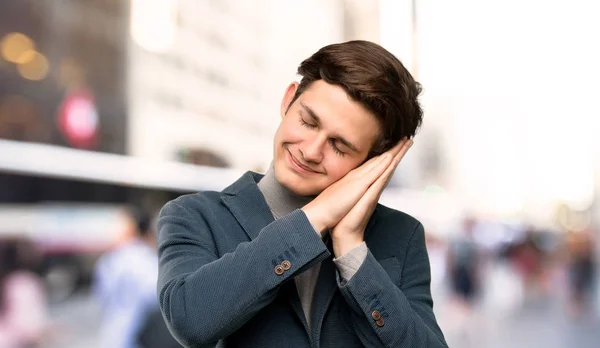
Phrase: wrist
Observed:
(315, 219)
(343, 245)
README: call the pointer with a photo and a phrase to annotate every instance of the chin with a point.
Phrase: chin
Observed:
(295, 184)
(303, 190)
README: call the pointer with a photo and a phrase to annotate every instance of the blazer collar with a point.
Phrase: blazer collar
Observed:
(247, 204)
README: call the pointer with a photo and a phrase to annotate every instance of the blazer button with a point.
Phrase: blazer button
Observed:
(279, 270)
(286, 265)
(380, 322)
(376, 315)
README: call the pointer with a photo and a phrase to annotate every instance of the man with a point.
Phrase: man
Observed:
(304, 256)
(125, 284)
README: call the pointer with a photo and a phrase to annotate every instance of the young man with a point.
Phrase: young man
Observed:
(304, 256)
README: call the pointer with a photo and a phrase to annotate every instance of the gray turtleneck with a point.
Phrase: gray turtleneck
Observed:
(282, 201)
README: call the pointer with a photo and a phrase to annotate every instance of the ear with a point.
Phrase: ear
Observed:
(290, 91)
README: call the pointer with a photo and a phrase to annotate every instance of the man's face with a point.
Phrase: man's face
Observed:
(322, 136)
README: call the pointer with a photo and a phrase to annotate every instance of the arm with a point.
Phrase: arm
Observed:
(407, 311)
(205, 298)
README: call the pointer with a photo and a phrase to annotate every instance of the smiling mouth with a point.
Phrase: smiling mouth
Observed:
(302, 166)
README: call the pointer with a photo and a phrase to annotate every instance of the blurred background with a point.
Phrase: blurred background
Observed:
(110, 108)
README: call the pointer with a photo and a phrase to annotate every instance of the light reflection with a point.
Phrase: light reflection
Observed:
(35, 69)
(26, 57)
(13, 45)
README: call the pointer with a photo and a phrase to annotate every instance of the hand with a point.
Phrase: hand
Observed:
(337, 200)
(349, 232)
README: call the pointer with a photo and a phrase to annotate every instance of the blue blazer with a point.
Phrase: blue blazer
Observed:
(226, 272)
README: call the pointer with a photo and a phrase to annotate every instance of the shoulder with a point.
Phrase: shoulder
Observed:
(192, 204)
(197, 200)
(201, 215)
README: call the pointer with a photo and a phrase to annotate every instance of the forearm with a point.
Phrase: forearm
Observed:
(405, 321)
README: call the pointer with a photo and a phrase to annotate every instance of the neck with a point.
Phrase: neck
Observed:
(280, 200)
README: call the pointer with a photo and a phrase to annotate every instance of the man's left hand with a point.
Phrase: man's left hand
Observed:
(349, 232)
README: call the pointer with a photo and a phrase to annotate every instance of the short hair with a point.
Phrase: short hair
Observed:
(373, 77)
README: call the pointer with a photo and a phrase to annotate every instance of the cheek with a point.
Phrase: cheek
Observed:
(289, 132)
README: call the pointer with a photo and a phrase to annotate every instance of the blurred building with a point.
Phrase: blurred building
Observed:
(163, 80)
(62, 83)
(62, 110)
(210, 77)
(62, 73)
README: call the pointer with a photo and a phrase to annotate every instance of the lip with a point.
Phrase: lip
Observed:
(299, 166)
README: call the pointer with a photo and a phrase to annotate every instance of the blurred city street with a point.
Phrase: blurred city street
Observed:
(110, 109)
(76, 323)
(540, 322)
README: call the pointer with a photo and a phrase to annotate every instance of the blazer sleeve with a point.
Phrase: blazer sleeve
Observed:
(406, 311)
(205, 298)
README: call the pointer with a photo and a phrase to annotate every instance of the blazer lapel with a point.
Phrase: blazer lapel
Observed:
(326, 288)
(247, 204)
(324, 291)
(290, 291)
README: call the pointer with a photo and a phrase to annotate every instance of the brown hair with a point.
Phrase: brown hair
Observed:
(373, 77)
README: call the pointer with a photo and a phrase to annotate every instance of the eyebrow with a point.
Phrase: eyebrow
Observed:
(317, 119)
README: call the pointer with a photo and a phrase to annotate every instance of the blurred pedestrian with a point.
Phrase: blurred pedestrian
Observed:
(437, 249)
(582, 266)
(125, 284)
(23, 307)
(464, 266)
(528, 260)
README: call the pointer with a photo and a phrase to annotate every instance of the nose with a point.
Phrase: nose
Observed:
(312, 150)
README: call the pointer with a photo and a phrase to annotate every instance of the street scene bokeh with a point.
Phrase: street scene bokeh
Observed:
(111, 108)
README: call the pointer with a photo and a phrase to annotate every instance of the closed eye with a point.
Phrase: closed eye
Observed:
(333, 143)
(306, 124)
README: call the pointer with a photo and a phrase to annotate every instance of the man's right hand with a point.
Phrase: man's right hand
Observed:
(337, 200)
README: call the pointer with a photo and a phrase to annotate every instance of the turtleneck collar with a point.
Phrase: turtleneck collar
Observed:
(280, 200)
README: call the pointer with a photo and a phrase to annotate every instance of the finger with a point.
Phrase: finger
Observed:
(370, 164)
(404, 146)
(373, 162)
(397, 159)
(368, 201)
(398, 147)
(377, 169)
(403, 150)
(385, 177)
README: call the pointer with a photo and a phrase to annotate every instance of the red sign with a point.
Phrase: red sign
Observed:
(78, 119)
